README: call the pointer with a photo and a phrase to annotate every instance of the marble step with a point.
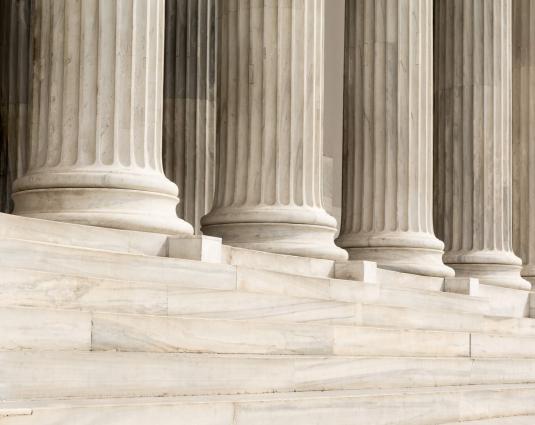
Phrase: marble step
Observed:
(165, 334)
(263, 281)
(79, 235)
(278, 262)
(41, 329)
(510, 420)
(427, 406)
(49, 374)
(22, 287)
(198, 275)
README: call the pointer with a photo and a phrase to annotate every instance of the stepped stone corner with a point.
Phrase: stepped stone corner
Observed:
(248, 212)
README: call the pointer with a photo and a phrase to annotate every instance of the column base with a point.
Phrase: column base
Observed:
(282, 238)
(115, 208)
(407, 252)
(528, 273)
(496, 268)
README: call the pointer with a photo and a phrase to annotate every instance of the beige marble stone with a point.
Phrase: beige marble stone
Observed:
(189, 108)
(390, 278)
(36, 329)
(363, 271)
(387, 175)
(472, 132)
(95, 137)
(78, 235)
(196, 247)
(378, 407)
(523, 135)
(270, 94)
(278, 262)
(109, 374)
(462, 285)
(505, 301)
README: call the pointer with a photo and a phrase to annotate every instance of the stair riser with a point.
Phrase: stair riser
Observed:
(194, 274)
(136, 333)
(399, 409)
(102, 375)
(114, 265)
(52, 290)
(30, 328)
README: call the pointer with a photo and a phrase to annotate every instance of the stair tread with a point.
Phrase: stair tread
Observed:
(245, 398)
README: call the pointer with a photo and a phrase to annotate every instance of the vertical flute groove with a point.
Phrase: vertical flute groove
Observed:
(523, 125)
(387, 175)
(472, 118)
(189, 105)
(271, 100)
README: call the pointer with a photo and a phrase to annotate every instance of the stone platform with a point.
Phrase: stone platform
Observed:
(109, 326)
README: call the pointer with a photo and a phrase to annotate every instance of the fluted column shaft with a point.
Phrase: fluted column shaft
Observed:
(473, 139)
(387, 174)
(189, 119)
(97, 117)
(524, 135)
(15, 53)
(270, 101)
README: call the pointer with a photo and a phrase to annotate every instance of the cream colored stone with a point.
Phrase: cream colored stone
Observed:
(110, 374)
(270, 96)
(96, 120)
(462, 285)
(378, 407)
(27, 328)
(278, 262)
(167, 334)
(201, 248)
(387, 178)
(394, 279)
(472, 132)
(115, 265)
(362, 271)
(489, 345)
(32, 229)
(354, 341)
(505, 301)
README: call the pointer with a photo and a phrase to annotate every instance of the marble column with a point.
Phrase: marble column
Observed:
(96, 119)
(15, 52)
(189, 117)
(473, 139)
(524, 135)
(270, 101)
(388, 121)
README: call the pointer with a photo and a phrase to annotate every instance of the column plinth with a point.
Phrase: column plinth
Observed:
(473, 202)
(95, 136)
(269, 167)
(387, 175)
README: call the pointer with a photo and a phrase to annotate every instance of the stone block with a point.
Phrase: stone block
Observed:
(363, 271)
(462, 285)
(197, 247)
